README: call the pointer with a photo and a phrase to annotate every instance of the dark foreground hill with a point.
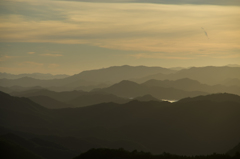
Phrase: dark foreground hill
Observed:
(123, 154)
(10, 150)
(35, 147)
(235, 150)
(184, 128)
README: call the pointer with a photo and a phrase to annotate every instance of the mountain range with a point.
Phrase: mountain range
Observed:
(187, 84)
(173, 90)
(187, 127)
(57, 100)
(105, 77)
(92, 78)
(207, 75)
(183, 111)
(129, 89)
(32, 75)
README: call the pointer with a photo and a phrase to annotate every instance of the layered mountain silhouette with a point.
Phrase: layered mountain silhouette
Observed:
(59, 96)
(89, 78)
(231, 82)
(31, 82)
(96, 98)
(188, 128)
(105, 77)
(208, 75)
(32, 75)
(129, 89)
(56, 100)
(223, 97)
(118, 73)
(146, 98)
(13, 89)
(121, 107)
(187, 84)
(49, 102)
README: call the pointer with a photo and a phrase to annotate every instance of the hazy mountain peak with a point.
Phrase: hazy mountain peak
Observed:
(33, 75)
(126, 82)
(219, 97)
(119, 73)
(146, 97)
(187, 80)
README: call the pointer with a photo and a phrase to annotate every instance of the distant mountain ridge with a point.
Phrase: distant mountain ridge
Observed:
(60, 96)
(118, 73)
(89, 78)
(41, 76)
(207, 75)
(187, 84)
(220, 97)
(104, 77)
(129, 89)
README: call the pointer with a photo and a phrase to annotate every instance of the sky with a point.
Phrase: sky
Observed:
(67, 37)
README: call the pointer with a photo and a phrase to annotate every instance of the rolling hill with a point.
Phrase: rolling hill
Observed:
(207, 75)
(187, 84)
(129, 89)
(188, 128)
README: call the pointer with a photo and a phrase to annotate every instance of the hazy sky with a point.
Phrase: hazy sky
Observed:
(57, 36)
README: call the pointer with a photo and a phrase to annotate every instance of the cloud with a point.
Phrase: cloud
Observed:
(4, 58)
(52, 55)
(127, 26)
(159, 56)
(196, 2)
(31, 53)
(53, 65)
(233, 56)
(30, 63)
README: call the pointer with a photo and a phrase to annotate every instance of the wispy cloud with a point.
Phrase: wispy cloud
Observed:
(159, 56)
(52, 55)
(53, 65)
(228, 56)
(195, 2)
(127, 26)
(30, 63)
(31, 53)
(4, 58)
